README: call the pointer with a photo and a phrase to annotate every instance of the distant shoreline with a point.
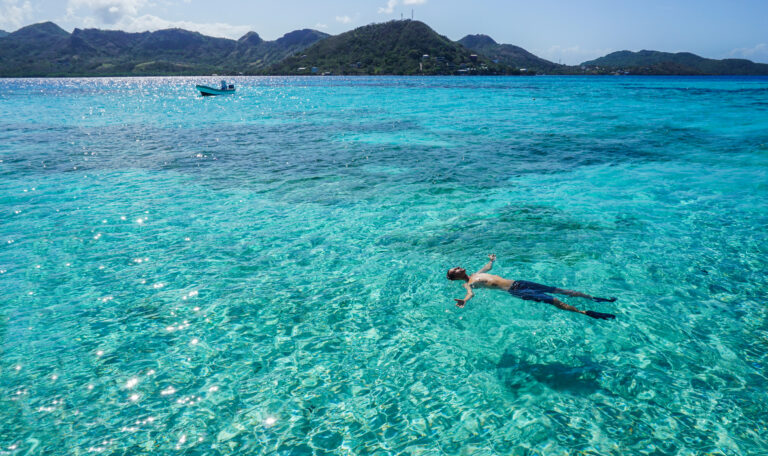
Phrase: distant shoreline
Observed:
(394, 48)
(395, 76)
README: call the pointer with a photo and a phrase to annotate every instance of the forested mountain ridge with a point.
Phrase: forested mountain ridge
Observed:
(404, 47)
(508, 54)
(666, 63)
(45, 49)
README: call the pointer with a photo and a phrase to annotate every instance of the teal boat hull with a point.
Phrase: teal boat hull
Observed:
(210, 91)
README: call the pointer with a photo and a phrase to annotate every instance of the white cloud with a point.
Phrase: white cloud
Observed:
(343, 19)
(758, 53)
(391, 4)
(126, 15)
(13, 14)
(321, 26)
(107, 11)
(151, 23)
(390, 8)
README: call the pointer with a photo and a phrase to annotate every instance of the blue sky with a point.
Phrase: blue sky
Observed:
(567, 31)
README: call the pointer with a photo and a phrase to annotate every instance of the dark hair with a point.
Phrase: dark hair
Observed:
(451, 276)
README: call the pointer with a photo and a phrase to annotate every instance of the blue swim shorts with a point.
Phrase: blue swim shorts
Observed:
(531, 291)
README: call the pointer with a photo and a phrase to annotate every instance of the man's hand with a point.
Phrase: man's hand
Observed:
(460, 303)
(492, 257)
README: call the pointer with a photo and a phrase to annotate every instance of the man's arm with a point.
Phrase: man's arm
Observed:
(488, 266)
(463, 302)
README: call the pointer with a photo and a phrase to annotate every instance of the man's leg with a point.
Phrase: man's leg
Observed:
(536, 292)
(575, 294)
(578, 294)
(590, 313)
(534, 295)
(563, 306)
(525, 285)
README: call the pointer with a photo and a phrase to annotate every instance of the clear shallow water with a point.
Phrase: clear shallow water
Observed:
(265, 273)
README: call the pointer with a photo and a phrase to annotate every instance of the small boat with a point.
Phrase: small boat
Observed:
(210, 91)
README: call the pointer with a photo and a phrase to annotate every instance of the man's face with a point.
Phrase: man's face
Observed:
(456, 272)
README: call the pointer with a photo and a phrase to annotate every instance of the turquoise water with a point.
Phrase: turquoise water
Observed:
(265, 273)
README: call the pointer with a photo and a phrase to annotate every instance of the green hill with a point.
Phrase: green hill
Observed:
(47, 50)
(403, 47)
(254, 54)
(34, 50)
(508, 54)
(666, 63)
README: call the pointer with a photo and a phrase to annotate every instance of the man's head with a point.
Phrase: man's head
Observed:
(457, 273)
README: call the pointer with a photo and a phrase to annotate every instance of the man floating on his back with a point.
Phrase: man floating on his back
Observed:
(529, 291)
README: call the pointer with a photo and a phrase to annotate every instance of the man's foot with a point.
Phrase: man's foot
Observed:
(596, 299)
(600, 316)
